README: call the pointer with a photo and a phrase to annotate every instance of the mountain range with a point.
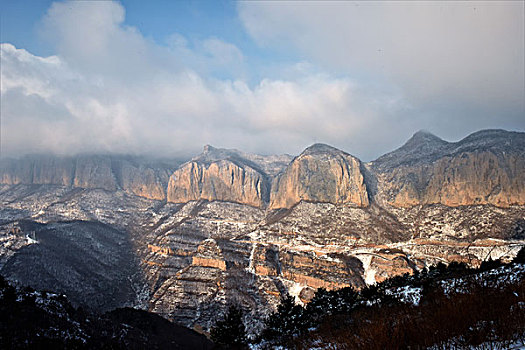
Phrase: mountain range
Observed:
(483, 168)
(186, 238)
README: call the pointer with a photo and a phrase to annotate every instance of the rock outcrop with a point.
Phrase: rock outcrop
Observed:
(385, 263)
(110, 173)
(209, 255)
(487, 167)
(141, 178)
(321, 272)
(94, 172)
(320, 174)
(37, 170)
(219, 175)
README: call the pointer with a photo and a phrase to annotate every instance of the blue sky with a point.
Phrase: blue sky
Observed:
(167, 77)
(18, 21)
(157, 20)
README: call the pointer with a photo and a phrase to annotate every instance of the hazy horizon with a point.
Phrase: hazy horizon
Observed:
(187, 156)
(165, 79)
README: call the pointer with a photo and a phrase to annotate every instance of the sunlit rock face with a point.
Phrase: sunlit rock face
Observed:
(222, 180)
(317, 270)
(487, 167)
(225, 175)
(209, 255)
(320, 174)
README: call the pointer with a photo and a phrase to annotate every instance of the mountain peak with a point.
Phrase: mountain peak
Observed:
(208, 149)
(317, 148)
(422, 145)
(497, 140)
(424, 136)
(422, 142)
(213, 154)
(490, 134)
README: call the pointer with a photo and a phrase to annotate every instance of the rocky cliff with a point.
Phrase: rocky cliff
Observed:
(37, 170)
(222, 180)
(219, 174)
(320, 174)
(111, 173)
(487, 167)
(144, 179)
(94, 172)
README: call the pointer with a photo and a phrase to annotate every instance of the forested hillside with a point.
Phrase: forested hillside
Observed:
(444, 307)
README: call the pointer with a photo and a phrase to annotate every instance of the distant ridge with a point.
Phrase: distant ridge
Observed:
(485, 167)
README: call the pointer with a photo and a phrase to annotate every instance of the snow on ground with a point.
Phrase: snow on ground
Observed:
(369, 273)
(504, 275)
(251, 264)
(407, 294)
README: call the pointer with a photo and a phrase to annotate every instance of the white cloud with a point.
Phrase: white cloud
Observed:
(109, 89)
(224, 53)
(457, 60)
(73, 112)
(91, 37)
(450, 43)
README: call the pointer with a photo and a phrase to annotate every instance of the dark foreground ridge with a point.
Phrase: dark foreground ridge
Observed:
(32, 319)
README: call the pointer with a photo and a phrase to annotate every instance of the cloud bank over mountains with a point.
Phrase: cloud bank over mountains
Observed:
(366, 79)
(430, 48)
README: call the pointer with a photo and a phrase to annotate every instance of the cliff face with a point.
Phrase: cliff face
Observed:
(470, 179)
(102, 172)
(219, 175)
(144, 180)
(222, 180)
(320, 174)
(94, 172)
(487, 167)
(37, 170)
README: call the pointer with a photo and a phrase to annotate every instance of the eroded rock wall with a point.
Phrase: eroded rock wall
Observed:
(468, 179)
(320, 174)
(487, 167)
(221, 180)
(100, 172)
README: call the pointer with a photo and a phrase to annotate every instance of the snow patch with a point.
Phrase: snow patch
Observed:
(251, 264)
(370, 273)
(31, 240)
(407, 294)
(294, 289)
